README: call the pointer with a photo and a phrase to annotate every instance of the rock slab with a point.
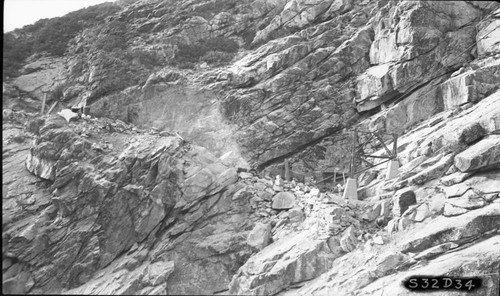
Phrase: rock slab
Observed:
(283, 201)
(483, 154)
(260, 236)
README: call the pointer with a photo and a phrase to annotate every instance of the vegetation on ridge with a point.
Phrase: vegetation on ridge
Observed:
(218, 50)
(50, 35)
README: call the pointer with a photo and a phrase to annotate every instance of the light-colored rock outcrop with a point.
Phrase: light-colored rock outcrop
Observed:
(451, 263)
(298, 259)
(485, 153)
(41, 76)
(260, 236)
(471, 85)
(363, 273)
(283, 201)
(487, 38)
(98, 206)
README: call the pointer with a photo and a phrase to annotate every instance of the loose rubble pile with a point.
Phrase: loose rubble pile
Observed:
(290, 206)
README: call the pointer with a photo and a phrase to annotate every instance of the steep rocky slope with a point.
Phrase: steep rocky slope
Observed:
(152, 203)
(120, 204)
(438, 217)
(304, 71)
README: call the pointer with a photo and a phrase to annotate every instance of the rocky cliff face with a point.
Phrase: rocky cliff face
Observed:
(304, 71)
(97, 203)
(120, 204)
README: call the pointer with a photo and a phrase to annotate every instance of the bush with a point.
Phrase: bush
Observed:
(50, 35)
(248, 36)
(209, 9)
(220, 44)
(193, 53)
(14, 53)
(148, 59)
(110, 42)
(110, 85)
(54, 36)
(186, 65)
(217, 57)
(112, 36)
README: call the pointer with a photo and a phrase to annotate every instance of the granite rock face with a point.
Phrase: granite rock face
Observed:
(107, 208)
(157, 195)
(485, 153)
(304, 71)
(283, 264)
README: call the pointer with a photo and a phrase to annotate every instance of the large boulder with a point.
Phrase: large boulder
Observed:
(283, 201)
(485, 153)
(260, 236)
(348, 241)
(402, 200)
(374, 87)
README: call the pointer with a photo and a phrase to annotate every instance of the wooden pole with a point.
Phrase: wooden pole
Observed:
(334, 178)
(352, 167)
(395, 146)
(343, 177)
(52, 107)
(287, 170)
(43, 102)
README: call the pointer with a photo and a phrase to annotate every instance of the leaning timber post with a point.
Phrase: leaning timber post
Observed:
(351, 188)
(287, 170)
(334, 178)
(43, 102)
(52, 108)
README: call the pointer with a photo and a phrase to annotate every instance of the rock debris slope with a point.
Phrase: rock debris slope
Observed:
(169, 186)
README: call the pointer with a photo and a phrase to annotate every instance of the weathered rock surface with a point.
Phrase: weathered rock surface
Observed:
(260, 105)
(156, 189)
(451, 264)
(282, 264)
(485, 182)
(98, 206)
(485, 153)
(470, 86)
(474, 223)
(371, 271)
(41, 76)
(283, 201)
(260, 236)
